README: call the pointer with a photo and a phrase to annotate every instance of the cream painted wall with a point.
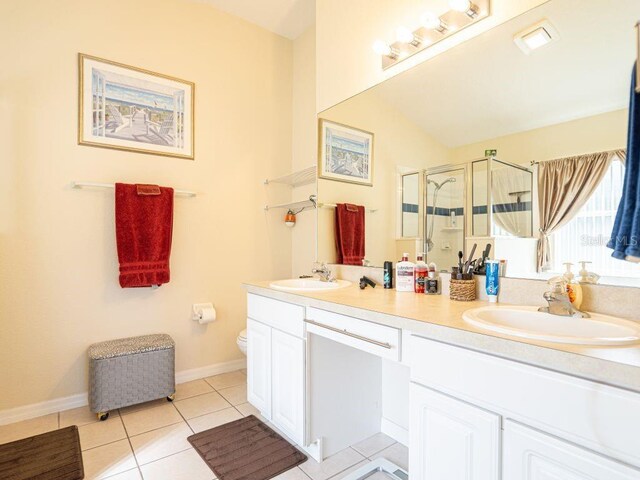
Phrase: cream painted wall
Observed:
(59, 289)
(305, 135)
(397, 142)
(346, 30)
(598, 133)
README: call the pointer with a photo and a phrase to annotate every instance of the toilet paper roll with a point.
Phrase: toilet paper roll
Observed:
(204, 313)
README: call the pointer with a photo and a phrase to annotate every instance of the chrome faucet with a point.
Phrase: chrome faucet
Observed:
(324, 273)
(560, 303)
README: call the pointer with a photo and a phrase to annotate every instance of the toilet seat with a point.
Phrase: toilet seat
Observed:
(243, 335)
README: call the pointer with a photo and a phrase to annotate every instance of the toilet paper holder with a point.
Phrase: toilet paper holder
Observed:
(203, 312)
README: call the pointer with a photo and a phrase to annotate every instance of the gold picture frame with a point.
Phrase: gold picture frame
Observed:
(135, 110)
(345, 153)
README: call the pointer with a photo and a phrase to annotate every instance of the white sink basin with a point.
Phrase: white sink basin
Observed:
(307, 285)
(527, 322)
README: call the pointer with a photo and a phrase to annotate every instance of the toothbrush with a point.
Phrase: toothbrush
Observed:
(468, 262)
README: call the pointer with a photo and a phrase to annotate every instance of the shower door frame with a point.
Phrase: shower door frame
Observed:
(450, 167)
(489, 200)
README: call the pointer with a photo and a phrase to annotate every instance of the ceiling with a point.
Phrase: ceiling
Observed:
(487, 87)
(288, 18)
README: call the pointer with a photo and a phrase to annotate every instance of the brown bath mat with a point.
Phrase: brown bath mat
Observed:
(51, 456)
(246, 449)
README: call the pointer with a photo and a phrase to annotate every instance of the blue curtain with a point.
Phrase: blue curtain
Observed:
(626, 229)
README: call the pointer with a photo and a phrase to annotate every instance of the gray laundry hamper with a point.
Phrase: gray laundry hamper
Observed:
(128, 371)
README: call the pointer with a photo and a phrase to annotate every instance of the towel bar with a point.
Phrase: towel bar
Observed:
(183, 193)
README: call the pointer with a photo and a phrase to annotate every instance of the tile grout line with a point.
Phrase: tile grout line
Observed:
(133, 452)
(182, 417)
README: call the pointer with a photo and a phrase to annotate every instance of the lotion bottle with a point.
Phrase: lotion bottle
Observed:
(405, 274)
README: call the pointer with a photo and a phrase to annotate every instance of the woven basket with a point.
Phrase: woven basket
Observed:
(462, 290)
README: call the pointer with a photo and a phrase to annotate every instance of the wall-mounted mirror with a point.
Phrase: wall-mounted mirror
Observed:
(462, 135)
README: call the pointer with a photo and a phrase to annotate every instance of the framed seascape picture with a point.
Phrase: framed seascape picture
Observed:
(345, 153)
(132, 109)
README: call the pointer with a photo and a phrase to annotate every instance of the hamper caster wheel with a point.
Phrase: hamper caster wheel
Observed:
(171, 397)
(102, 416)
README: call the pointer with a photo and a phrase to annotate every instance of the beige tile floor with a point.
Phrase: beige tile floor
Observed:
(149, 441)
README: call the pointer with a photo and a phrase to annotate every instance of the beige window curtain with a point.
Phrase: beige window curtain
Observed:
(564, 186)
(622, 155)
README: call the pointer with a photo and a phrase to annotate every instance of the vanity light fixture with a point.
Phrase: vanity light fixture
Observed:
(433, 29)
(536, 36)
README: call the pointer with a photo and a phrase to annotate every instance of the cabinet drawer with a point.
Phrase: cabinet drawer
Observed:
(370, 337)
(601, 418)
(532, 455)
(281, 315)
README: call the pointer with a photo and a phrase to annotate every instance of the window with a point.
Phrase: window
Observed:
(586, 235)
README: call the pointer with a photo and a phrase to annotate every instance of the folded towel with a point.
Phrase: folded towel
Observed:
(625, 237)
(350, 234)
(144, 225)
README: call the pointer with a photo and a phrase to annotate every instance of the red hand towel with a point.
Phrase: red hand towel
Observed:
(350, 233)
(144, 225)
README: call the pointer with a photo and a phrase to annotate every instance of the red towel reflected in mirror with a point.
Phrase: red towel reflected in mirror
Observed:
(350, 234)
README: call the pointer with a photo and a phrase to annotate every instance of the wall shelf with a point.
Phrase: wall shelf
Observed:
(301, 205)
(295, 179)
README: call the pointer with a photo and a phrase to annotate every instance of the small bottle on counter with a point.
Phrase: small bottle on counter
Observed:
(421, 274)
(405, 274)
(387, 279)
(433, 281)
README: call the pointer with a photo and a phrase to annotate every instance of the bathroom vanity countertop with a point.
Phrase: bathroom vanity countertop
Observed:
(439, 318)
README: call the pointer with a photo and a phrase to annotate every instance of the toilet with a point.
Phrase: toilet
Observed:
(242, 341)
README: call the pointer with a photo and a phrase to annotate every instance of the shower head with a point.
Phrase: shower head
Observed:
(440, 185)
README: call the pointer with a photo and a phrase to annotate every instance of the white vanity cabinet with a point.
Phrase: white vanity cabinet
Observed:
(452, 439)
(276, 363)
(555, 426)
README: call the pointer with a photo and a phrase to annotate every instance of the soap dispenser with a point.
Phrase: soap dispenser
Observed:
(574, 289)
(585, 275)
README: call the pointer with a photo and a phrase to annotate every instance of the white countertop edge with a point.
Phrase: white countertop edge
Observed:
(599, 370)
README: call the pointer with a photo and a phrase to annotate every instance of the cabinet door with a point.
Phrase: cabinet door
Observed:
(259, 366)
(287, 384)
(532, 455)
(450, 439)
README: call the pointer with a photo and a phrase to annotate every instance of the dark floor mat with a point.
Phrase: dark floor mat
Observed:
(246, 449)
(53, 455)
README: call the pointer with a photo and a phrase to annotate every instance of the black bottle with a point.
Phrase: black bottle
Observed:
(388, 275)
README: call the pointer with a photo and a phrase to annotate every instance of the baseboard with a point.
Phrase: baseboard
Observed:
(210, 370)
(47, 407)
(395, 431)
(34, 410)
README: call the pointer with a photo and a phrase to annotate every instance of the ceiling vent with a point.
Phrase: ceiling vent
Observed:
(536, 36)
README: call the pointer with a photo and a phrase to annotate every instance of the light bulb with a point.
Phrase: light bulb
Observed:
(381, 48)
(404, 35)
(430, 20)
(460, 5)
(433, 22)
